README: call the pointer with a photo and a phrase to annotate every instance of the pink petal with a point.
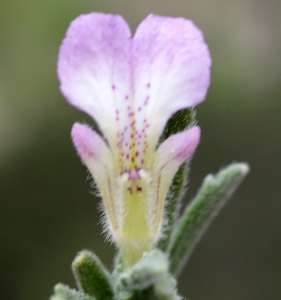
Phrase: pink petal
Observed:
(168, 158)
(93, 66)
(91, 148)
(172, 67)
(176, 149)
(98, 159)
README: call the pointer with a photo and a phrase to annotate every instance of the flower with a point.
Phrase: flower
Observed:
(131, 86)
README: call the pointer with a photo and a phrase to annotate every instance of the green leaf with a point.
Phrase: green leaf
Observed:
(63, 292)
(180, 121)
(91, 276)
(213, 194)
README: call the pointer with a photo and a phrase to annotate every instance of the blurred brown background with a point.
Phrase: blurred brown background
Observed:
(46, 211)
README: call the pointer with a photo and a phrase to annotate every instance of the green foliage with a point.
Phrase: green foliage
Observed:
(213, 194)
(91, 276)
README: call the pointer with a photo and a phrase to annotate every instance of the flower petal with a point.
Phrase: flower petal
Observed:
(168, 158)
(93, 67)
(177, 148)
(97, 157)
(171, 68)
(91, 147)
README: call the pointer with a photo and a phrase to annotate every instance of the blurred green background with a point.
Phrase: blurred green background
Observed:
(46, 211)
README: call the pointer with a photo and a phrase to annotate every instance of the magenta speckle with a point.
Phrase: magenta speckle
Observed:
(127, 156)
(139, 109)
(113, 87)
(146, 101)
(131, 114)
(117, 119)
(142, 161)
(137, 153)
(126, 97)
(148, 85)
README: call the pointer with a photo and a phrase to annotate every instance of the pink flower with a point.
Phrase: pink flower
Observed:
(131, 86)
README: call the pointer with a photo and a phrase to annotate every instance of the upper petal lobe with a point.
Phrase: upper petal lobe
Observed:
(93, 59)
(171, 68)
